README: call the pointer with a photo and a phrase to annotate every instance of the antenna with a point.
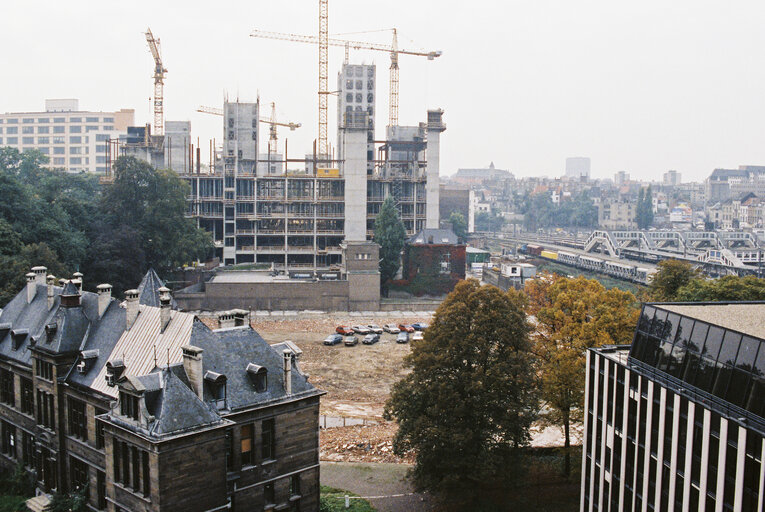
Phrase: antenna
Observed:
(155, 355)
(168, 357)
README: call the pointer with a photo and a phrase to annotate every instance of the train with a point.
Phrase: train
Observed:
(625, 271)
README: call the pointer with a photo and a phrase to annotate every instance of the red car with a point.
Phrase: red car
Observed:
(406, 328)
(345, 330)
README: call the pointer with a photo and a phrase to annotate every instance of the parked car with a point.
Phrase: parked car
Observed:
(403, 337)
(391, 328)
(375, 328)
(371, 339)
(333, 339)
(361, 329)
(351, 341)
(406, 327)
(417, 336)
(420, 326)
(345, 330)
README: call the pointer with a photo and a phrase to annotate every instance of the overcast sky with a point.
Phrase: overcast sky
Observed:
(638, 86)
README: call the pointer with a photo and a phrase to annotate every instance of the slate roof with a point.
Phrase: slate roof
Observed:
(174, 406)
(439, 236)
(148, 290)
(229, 351)
(724, 174)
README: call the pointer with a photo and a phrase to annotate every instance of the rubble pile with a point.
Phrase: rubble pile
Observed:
(361, 443)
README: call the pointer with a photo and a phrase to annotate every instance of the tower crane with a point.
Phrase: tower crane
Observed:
(272, 124)
(159, 83)
(392, 49)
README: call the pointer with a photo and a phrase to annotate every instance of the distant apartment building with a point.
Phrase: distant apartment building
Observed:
(747, 211)
(724, 184)
(671, 178)
(621, 178)
(72, 139)
(578, 167)
(675, 422)
(617, 215)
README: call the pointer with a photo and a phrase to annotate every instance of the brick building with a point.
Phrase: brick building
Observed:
(433, 262)
(150, 408)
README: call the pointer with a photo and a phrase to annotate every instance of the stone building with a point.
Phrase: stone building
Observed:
(147, 408)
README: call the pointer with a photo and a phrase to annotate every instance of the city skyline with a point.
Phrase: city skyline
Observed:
(644, 89)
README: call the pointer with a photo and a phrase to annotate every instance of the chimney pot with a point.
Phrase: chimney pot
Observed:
(131, 307)
(287, 355)
(104, 298)
(164, 308)
(31, 286)
(40, 273)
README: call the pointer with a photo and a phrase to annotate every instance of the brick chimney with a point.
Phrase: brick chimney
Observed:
(226, 320)
(192, 364)
(164, 308)
(131, 307)
(51, 281)
(31, 287)
(40, 273)
(287, 355)
(104, 298)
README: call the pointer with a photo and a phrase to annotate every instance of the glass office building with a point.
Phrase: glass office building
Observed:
(674, 422)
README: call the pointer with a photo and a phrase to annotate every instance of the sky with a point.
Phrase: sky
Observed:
(636, 86)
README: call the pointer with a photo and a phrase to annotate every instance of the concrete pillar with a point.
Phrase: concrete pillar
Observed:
(432, 183)
(353, 153)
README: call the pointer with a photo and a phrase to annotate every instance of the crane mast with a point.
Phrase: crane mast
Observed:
(159, 83)
(322, 149)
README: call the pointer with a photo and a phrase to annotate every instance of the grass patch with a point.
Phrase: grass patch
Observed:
(12, 503)
(333, 500)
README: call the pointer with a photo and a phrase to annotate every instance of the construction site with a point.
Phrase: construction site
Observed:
(297, 212)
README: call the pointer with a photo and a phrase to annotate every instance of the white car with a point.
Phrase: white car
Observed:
(375, 328)
(417, 336)
(391, 328)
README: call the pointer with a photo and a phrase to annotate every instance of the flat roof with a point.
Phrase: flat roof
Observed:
(747, 318)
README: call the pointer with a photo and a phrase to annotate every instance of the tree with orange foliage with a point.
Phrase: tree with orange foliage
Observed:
(568, 317)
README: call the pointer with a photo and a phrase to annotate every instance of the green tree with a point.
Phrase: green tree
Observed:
(726, 288)
(489, 221)
(459, 225)
(648, 215)
(572, 315)
(671, 276)
(390, 235)
(467, 405)
(153, 204)
(76, 501)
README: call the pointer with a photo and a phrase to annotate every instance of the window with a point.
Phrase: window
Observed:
(78, 472)
(28, 452)
(59, 150)
(6, 387)
(27, 129)
(59, 129)
(89, 129)
(43, 120)
(75, 161)
(229, 450)
(75, 150)
(59, 140)
(43, 140)
(359, 84)
(131, 467)
(44, 369)
(13, 121)
(349, 97)
(27, 396)
(12, 140)
(27, 140)
(295, 485)
(101, 490)
(268, 494)
(43, 129)
(129, 405)
(75, 140)
(358, 97)
(91, 119)
(28, 120)
(108, 120)
(12, 130)
(77, 416)
(101, 137)
(59, 120)
(8, 444)
(45, 410)
(268, 438)
(75, 129)
(59, 161)
(99, 429)
(75, 119)
(246, 433)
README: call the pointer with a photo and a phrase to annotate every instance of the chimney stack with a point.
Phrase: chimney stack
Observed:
(192, 364)
(164, 308)
(131, 307)
(104, 298)
(40, 273)
(226, 320)
(287, 371)
(31, 287)
(51, 280)
(77, 279)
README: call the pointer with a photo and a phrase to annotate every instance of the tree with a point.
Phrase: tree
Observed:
(726, 288)
(459, 225)
(672, 275)
(390, 235)
(467, 405)
(153, 204)
(489, 221)
(75, 501)
(572, 315)
(644, 209)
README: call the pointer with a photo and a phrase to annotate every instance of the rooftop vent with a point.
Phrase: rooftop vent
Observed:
(18, 336)
(114, 371)
(258, 376)
(87, 359)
